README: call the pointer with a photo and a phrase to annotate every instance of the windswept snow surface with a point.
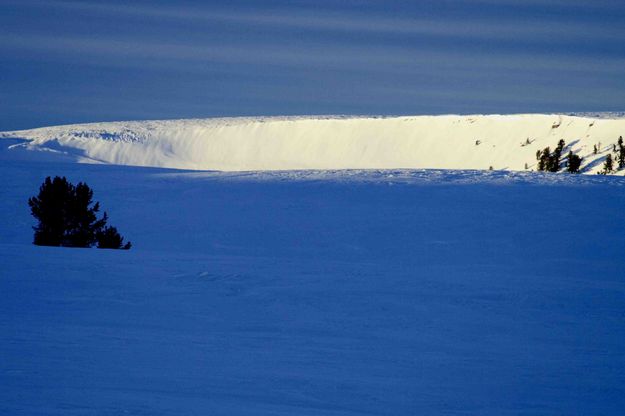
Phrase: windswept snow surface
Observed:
(505, 142)
(379, 292)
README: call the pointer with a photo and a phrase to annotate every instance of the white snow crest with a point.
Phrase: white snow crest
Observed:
(503, 142)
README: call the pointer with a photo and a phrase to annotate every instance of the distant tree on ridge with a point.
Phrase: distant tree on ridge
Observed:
(608, 166)
(574, 163)
(620, 153)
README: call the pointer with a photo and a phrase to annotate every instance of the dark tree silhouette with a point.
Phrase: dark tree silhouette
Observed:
(49, 208)
(108, 237)
(81, 220)
(548, 161)
(608, 165)
(553, 164)
(66, 214)
(620, 155)
(543, 159)
(574, 163)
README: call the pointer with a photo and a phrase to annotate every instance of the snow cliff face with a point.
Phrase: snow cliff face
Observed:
(508, 142)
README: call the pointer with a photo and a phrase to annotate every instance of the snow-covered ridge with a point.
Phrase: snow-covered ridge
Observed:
(507, 142)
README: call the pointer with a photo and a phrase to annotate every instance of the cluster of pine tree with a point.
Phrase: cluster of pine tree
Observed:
(67, 217)
(550, 161)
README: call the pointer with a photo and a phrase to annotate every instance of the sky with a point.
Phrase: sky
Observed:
(67, 61)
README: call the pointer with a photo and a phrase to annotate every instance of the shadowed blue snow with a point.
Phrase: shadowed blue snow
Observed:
(318, 293)
(69, 61)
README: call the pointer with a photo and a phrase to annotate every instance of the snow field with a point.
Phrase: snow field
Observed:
(318, 293)
(283, 143)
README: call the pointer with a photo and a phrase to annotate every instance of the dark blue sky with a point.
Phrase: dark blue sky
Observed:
(76, 61)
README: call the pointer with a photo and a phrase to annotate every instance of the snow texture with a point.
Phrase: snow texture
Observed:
(376, 292)
(503, 142)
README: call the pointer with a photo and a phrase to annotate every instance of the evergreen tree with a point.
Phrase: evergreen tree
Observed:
(108, 237)
(49, 207)
(608, 165)
(574, 163)
(81, 220)
(548, 161)
(553, 164)
(66, 214)
(543, 160)
(621, 153)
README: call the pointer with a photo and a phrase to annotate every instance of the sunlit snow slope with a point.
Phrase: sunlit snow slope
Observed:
(446, 142)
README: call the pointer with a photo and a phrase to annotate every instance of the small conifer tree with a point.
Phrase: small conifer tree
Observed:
(543, 160)
(108, 237)
(608, 165)
(574, 163)
(553, 163)
(620, 153)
